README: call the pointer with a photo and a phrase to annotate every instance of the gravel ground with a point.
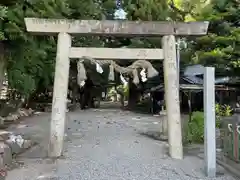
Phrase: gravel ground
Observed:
(104, 144)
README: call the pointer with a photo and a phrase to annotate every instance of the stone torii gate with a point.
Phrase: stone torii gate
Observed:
(115, 28)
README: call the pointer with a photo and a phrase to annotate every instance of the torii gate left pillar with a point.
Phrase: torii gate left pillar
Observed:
(115, 28)
(60, 90)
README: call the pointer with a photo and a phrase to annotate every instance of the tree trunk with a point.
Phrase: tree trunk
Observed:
(121, 93)
(75, 94)
(2, 65)
(133, 96)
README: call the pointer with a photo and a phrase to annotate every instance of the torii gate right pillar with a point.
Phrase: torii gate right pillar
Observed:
(171, 86)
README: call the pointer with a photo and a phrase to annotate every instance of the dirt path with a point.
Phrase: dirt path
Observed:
(104, 144)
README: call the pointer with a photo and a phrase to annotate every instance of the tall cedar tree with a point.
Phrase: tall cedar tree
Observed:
(221, 47)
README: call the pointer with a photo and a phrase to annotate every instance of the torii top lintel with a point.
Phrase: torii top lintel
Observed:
(115, 27)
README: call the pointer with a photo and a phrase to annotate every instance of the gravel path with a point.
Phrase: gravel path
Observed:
(104, 144)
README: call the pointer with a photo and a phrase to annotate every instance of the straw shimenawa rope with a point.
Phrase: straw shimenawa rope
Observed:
(113, 66)
(81, 75)
(111, 72)
(135, 76)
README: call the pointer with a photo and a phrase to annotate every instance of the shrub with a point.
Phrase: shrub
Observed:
(195, 126)
(222, 111)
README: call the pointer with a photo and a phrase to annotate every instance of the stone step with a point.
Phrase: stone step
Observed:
(11, 145)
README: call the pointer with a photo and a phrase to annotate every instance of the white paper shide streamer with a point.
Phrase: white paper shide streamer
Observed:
(111, 73)
(99, 69)
(135, 77)
(81, 76)
(143, 75)
(125, 83)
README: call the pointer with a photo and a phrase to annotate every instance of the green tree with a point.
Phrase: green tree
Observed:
(186, 10)
(27, 58)
(3, 14)
(30, 59)
(221, 47)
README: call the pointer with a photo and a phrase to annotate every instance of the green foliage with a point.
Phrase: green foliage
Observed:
(149, 10)
(120, 89)
(124, 89)
(112, 92)
(195, 126)
(221, 47)
(30, 59)
(222, 111)
(187, 10)
(3, 14)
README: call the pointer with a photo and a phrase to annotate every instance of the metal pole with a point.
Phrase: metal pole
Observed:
(209, 122)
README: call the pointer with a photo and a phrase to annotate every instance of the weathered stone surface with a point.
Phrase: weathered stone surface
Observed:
(4, 135)
(23, 112)
(5, 155)
(116, 28)
(15, 148)
(60, 92)
(12, 117)
(116, 53)
(27, 144)
(171, 86)
(18, 144)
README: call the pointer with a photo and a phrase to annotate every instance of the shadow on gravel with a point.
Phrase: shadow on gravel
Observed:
(36, 152)
(153, 135)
